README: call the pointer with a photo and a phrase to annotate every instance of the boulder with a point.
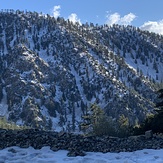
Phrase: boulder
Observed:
(148, 134)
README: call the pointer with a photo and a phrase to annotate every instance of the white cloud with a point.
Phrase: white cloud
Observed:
(113, 19)
(74, 18)
(117, 19)
(152, 26)
(56, 11)
(127, 19)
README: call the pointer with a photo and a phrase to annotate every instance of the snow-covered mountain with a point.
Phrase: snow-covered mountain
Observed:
(51, 70)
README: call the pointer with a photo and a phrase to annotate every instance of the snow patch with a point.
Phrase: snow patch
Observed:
(45, 155)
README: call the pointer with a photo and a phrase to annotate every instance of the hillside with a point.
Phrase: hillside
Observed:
(51, 70)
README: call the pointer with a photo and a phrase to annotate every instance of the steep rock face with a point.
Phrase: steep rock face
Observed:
(52, 70)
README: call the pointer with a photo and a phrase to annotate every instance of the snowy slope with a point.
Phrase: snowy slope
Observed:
(53, 70)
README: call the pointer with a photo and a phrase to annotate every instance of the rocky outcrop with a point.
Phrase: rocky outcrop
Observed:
(76, 144)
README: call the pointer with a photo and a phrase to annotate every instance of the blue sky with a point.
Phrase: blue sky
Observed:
(147, 14)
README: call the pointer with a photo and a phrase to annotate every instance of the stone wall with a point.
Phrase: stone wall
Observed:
(77, 144)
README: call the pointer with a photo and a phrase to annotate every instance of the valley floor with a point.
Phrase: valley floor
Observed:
(45, 155)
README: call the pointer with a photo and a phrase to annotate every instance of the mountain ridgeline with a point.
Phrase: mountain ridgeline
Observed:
(52, 70)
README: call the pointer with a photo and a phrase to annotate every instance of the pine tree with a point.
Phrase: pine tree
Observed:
(96, 122)
(157, 121)
(123, 128)
(159, 104)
